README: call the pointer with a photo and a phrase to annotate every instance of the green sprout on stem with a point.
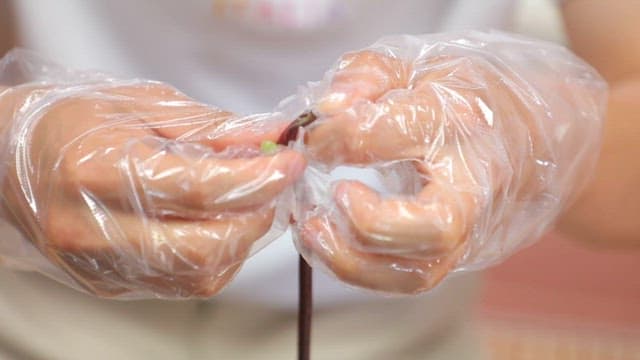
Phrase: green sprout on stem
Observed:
(268, 147)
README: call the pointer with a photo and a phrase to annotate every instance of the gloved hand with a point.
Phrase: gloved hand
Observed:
(132, 188)
(483, 139)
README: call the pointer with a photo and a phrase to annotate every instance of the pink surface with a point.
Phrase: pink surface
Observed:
(562, 281)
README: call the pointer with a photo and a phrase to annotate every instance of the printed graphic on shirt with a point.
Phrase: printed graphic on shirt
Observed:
(282, 14)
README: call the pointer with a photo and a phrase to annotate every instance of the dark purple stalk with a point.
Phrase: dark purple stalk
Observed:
(305, 286)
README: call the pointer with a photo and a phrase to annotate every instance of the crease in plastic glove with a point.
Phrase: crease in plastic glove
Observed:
(130, 189)
(481, 139)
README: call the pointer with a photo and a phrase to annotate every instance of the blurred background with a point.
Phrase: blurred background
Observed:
(557, 299)
(560, 299)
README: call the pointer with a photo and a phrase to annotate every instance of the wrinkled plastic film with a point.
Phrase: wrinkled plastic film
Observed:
(477, 141)
(129, 188)
(428, 155)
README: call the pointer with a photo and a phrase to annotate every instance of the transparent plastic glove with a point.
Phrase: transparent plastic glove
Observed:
(481, 139)
(132, 189)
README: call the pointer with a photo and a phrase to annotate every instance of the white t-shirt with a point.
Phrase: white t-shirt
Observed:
(244, 56)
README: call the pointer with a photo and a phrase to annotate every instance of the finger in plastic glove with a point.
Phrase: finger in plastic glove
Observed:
(168, 179)
(387, 273)
(363, 75)
(111, 252)
(433, 223)
(403, 124)
(174, 115)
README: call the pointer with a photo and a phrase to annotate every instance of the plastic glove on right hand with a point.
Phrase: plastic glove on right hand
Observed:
(500, 132)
